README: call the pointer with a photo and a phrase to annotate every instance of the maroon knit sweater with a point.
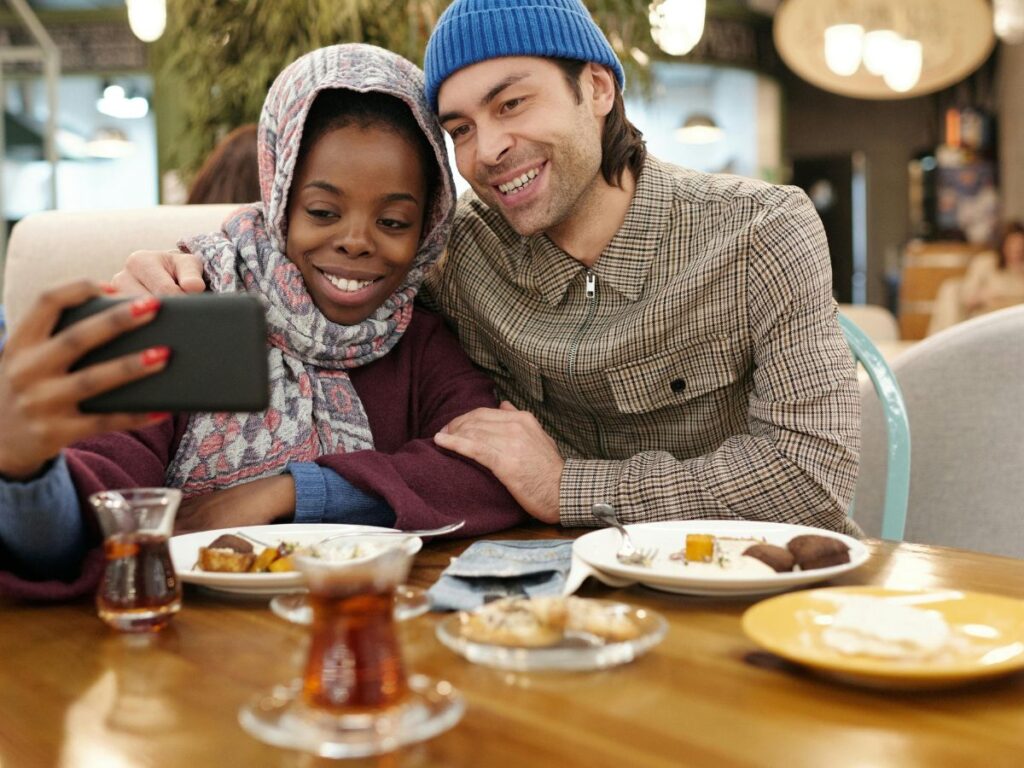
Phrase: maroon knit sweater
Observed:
(408, 395)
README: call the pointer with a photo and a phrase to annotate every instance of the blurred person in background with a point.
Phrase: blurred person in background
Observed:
(998, 283)
(994, 280)
(231, 173)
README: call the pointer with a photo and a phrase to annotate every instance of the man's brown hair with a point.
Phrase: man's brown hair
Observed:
(622, 143)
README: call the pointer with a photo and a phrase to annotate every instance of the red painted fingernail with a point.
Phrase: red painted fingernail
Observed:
(108, 288)
(159, 415)
(145, 305)
(155, 355)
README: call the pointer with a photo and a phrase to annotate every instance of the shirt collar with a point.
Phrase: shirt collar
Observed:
(624, 264)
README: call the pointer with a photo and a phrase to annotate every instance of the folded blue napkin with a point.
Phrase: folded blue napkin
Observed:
(488, 570)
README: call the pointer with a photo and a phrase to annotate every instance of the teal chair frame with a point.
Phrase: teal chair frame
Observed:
(897, 429)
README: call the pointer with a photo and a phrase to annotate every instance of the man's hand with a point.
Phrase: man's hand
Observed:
(161, 272)
(513, 445)
(258, 502)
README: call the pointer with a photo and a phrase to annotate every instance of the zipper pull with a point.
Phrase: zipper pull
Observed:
(591, 284)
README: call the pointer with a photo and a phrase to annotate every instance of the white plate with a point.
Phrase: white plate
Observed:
(185, 554)
(577, 651)
(598, 549)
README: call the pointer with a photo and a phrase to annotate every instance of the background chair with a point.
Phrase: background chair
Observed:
(964, 394)
(878, 323)
(53, 247)
(896, 449)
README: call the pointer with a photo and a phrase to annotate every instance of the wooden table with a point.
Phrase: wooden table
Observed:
(73, 693)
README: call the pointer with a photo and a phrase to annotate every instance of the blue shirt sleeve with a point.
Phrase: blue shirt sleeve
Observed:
(324, 496)
(41, 522)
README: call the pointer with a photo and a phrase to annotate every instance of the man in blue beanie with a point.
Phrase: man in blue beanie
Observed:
(663, 340)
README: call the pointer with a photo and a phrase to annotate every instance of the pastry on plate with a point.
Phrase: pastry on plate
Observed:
(227, 554)
(515, 621)
(543, 621)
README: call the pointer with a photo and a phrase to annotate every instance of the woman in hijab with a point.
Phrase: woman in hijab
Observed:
(357, 200)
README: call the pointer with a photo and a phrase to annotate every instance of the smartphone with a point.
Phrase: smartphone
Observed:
(218, 355)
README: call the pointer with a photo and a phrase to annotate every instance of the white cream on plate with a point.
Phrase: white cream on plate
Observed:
(351, 550)
(729, 561)
(872, 626)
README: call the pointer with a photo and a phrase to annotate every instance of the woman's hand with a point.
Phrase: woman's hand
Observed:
(258, 502)
(39, 396)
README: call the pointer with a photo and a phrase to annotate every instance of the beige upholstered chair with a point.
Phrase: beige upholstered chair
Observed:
(964, 394)
(878, 323)
(53, 247)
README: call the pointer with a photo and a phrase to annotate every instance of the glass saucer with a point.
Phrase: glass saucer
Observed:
(410, 602)
(577, 651)
(281, 718)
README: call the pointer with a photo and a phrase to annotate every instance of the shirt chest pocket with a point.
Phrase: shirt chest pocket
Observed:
(674, 377)
(511, 370)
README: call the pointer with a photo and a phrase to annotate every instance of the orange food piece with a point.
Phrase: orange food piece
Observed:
(700, 547)
(282, 564)
(263, 560)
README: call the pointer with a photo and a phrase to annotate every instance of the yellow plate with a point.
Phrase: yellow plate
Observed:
(989, 629)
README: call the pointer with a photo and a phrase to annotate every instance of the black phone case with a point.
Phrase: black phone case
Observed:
(218, 356)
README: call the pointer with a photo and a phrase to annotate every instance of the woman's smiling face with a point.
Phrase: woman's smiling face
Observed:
(355, 217)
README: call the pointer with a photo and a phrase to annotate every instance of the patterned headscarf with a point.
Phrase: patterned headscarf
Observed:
(314, 409)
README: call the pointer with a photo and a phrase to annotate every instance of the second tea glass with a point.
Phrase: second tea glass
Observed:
(354, 698)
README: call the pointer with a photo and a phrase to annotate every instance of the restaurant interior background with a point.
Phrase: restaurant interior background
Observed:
(927, 161)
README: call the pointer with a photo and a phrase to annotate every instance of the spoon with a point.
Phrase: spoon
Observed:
(422, 532)
(369, 532)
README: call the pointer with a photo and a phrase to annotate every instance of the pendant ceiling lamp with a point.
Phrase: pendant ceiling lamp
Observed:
(147, 18)
(677, 25)
(884, 49)
(699, 129)
(1009, 20)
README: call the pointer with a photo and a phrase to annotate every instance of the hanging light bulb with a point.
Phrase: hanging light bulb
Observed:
(879, 48)
(843, 46)
(677, 25)
(699, 129)
(1008, 20)
(147, 18)
(904, 69)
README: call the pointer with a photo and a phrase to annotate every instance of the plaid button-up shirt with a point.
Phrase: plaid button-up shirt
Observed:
(696, 371)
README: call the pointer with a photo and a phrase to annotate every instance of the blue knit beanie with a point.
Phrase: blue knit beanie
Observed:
(476, 30)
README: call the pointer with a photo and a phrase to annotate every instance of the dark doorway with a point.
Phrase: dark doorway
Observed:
(835, 184)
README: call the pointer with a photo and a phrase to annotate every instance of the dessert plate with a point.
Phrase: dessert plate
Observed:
(597, 549)
(577, 651)
(986, 636)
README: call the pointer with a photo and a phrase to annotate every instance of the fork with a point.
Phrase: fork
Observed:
(628, 554)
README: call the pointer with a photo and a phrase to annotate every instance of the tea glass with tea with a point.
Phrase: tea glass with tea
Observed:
(354, 698)
(140, 591)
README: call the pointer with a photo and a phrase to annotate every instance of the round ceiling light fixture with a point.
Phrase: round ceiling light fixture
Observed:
(699, 129)
(677, 25)
(147, 18)
(909, 47)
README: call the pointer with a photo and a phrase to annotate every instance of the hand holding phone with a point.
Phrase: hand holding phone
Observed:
(218, 355)
(40, 396)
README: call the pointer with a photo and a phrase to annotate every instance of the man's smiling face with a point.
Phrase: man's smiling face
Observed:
(527, 146)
